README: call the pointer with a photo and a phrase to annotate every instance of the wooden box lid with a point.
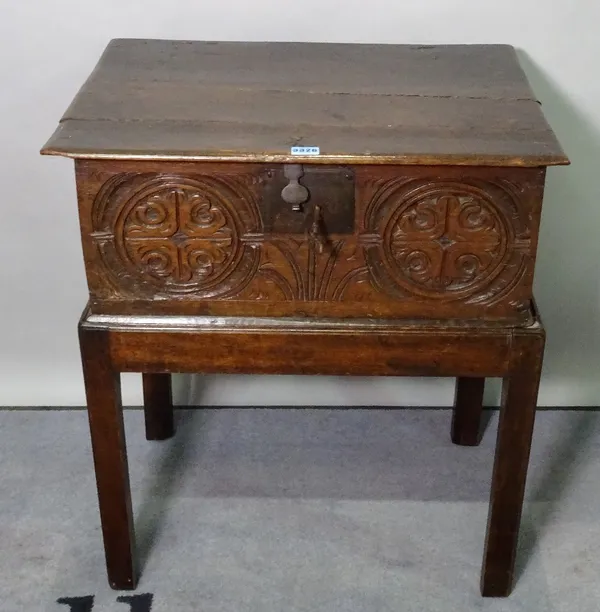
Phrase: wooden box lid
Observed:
(358, 103)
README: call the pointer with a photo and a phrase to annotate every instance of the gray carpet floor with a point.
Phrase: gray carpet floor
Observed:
(298, 510)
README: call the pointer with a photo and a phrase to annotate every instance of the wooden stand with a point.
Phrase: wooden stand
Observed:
(159, 345)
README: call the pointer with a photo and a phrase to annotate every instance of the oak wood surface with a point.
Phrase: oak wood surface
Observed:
(219, 344)
(466, 414)
(103, 391)
(399, 241)
(485, 70)
(304, 353)
(158, 406)
(513, 446)
(413, 253)
(411, 104)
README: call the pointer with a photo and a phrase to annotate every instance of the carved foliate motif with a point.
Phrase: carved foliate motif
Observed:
(442, 243)
(295, 269)
(445, 240)
(179, 235)
(202, 237)
(425, 241)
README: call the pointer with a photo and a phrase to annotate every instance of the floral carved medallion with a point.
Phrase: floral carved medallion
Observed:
(444, 240)
(178, 235)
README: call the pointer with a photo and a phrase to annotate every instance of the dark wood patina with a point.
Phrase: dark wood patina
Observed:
(405, 247)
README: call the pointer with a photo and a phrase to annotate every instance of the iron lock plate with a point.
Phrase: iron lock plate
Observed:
(329, 187)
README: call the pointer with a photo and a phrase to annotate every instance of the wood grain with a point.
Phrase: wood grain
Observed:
(288, 346)
(158, 406)
(466, 414)
(485, 70)
(103, 391)
(458, 105)
(513, 446)
(277, 346)
(411, 253)
(413, 242)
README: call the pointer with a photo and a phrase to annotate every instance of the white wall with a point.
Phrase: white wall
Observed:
(48, 48)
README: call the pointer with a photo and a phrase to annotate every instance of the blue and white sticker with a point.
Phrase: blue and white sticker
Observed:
(306, 151)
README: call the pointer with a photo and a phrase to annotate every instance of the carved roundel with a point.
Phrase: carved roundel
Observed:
(444, 239)
(179, 235)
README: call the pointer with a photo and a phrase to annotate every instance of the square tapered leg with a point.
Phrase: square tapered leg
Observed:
(103, 392)
(515, 430)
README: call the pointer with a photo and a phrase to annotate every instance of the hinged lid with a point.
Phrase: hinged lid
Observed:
(237, 101)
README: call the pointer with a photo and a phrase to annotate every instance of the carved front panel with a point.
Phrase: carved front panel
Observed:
(176, 235)
(447, 240)
(293, 269)
(437, 244)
